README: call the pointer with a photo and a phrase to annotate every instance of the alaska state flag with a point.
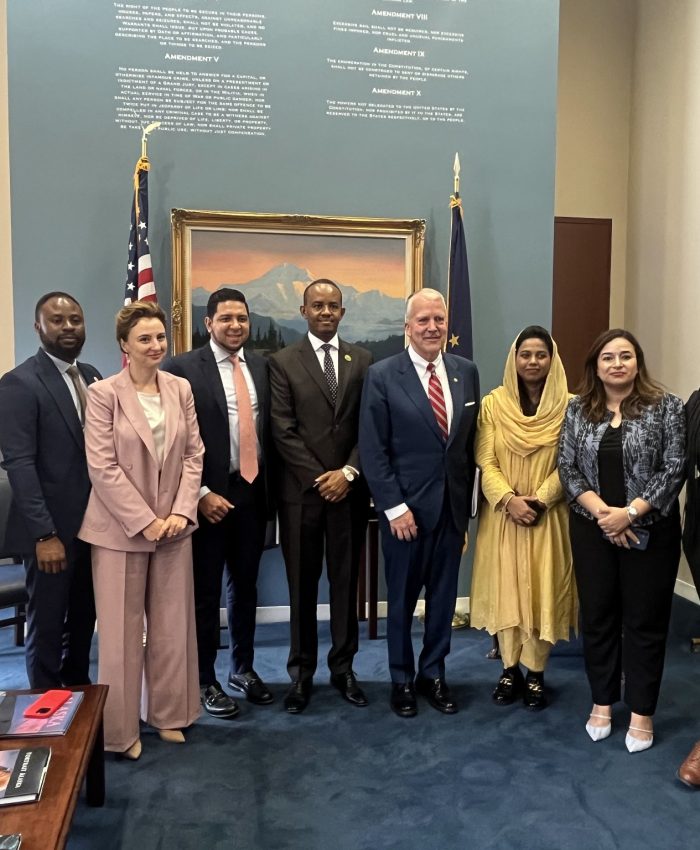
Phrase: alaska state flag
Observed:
(459, 310)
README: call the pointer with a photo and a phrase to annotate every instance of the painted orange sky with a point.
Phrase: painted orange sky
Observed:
(364, 262)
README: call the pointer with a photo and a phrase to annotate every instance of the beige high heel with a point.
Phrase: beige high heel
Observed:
(134, 751)
(171, 736)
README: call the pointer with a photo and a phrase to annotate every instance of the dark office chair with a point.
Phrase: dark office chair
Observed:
(13, 591)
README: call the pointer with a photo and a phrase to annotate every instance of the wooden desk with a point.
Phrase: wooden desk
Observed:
(77, 755)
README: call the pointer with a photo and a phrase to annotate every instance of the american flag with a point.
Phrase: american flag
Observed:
(140, 285)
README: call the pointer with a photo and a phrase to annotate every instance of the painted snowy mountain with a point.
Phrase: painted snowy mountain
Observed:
(278, 293)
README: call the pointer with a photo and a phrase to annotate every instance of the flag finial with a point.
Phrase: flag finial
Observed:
(144, 137)
(456, 173)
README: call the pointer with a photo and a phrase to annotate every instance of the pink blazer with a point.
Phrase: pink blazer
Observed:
(128, 489)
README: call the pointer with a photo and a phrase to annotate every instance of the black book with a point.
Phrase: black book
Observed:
(22, 774)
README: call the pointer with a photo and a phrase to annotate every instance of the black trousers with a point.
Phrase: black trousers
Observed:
(310, 531)
(431, 561)
(60, 620)
(625, 600)
(234, 544)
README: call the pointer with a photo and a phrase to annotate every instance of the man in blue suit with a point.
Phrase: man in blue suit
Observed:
(417, 423)
(41, 438)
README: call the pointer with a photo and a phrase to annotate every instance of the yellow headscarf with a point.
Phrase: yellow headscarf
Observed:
(525, 434)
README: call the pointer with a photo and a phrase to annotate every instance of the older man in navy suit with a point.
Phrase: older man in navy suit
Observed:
(41, 437)
(417, 423)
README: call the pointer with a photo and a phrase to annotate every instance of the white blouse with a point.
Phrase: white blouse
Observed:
(155, 416)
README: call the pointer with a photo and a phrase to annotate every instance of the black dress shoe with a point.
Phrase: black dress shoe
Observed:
(346, 683)
(251, 686)
(217, 702)
(510, 686)
(298, 696)
(403, 699)
(437, 694)
(533, 695)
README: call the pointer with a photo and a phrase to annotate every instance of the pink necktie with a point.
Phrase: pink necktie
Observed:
(437, 400)
(247, 446)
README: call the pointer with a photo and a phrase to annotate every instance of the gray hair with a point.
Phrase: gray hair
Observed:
(428, 294)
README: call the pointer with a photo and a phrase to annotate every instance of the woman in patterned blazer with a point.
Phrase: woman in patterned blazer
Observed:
(622, 465)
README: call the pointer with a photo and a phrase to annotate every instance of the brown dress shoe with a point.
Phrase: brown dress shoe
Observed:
(689, 771)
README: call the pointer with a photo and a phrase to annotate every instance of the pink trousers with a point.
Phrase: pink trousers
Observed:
(151, 591)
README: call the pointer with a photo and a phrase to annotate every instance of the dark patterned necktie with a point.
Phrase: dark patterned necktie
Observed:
(329, 371)
(437, 400)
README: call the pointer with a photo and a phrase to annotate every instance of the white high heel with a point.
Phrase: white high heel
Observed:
(638, 745)
(599, 733)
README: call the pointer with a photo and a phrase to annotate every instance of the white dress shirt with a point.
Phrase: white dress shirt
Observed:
(317, 345)
(421, 366)
(63, 368)
(225, 367)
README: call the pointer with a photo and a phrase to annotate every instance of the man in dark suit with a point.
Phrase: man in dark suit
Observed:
(417, 424)
(41, 438)
(316, 387)
(232, 398)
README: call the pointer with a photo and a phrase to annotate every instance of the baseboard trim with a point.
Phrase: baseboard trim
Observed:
(687, 591)
(280, 613)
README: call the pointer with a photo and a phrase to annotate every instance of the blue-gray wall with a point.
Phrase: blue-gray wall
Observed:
(71, 165)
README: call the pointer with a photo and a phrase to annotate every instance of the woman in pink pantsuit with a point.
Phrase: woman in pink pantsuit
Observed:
(145, 462)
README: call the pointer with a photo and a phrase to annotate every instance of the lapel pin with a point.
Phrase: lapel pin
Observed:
(455, 380)
(348, 357)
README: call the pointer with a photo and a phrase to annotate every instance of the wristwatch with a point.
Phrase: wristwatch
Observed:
(349, 473)
(632, 513)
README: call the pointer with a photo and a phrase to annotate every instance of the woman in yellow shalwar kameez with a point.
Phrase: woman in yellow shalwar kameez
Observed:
(523, 588)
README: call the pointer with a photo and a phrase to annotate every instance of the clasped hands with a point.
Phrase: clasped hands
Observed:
(332, 486)
(615, 524)
(168, 527)
(520, 511)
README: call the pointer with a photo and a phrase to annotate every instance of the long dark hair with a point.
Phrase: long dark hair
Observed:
(531, 332)
(645, 390)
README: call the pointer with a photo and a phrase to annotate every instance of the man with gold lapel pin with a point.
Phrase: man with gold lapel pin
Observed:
(316, 386)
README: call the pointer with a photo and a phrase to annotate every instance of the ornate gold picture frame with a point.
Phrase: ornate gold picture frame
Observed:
(271, 258)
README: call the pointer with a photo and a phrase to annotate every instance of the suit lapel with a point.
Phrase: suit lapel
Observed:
(130, 404)
(89, 374)
(345, 366)
(309, 360)
(212, 379)
(412, 386)
(257, 373)
(170, 400)
(56, 386)
(456, 382)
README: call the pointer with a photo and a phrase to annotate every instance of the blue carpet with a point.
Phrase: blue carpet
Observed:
(338, 777)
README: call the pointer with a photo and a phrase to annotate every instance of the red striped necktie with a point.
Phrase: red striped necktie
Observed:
(437, 400)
